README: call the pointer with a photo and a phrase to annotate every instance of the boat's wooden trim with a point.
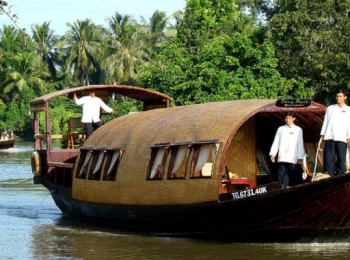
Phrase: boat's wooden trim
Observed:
(60, 165)
(37, 109)
(58, 136)
(152, 99)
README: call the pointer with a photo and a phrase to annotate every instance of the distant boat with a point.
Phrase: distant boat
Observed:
(198, 170)
(6, 141)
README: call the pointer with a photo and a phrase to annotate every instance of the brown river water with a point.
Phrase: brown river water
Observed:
(32, 227)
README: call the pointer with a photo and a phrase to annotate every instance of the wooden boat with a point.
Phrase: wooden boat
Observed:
(6, 141)
(167, 170)
(5, 144)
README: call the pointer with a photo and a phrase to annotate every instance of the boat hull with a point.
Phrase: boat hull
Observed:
(317, 210)
(5, 144)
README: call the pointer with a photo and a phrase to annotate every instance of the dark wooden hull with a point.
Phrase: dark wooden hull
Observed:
(308, 212)
(5, 144)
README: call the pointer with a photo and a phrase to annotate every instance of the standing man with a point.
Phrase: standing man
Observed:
(336, 134)
(91, 111)
(289, 145)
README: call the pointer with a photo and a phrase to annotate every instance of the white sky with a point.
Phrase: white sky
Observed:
(60, 12)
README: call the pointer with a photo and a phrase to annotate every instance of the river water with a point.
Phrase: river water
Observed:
(32, 227)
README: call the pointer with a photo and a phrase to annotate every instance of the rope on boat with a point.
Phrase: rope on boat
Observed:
(317, 151)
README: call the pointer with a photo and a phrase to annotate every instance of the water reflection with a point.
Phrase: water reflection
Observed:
(32, 227)
(76, 241)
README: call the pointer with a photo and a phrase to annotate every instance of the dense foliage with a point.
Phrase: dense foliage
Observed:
(218, 54)
(215, 50)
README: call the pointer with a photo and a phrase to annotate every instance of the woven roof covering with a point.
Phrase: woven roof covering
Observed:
(141, 94)
(217, 120)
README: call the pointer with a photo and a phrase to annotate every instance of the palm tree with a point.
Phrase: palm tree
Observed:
(123, 27)
(177, 16)
(124, 52)
(45, 40)
(156, 27)
(29, 72)
(81, 50)
(154, 32)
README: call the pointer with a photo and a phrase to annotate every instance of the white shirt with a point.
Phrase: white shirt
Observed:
(289, 144)
(91, 108)
(336, 124)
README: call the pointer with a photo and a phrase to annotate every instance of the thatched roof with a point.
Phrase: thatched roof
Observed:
(216, 120)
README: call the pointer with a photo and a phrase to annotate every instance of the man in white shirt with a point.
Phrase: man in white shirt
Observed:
(289, 145)
(336, 134)
(91, 111)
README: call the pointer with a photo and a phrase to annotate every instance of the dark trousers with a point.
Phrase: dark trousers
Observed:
(334, 151)
(289, 174)
(90, 127)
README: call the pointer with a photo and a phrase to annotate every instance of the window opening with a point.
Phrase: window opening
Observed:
(94, 168)
(181, 159)
(84, 157)
(159, 161)
(202, 160)
(177, 167)
(92, 163)
(111, 161)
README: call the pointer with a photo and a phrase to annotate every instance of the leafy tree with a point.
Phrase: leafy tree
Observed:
(260, 10)
(28, 72)
(177, 16)
(312, 42)
(15, 116)
(11, 43)
(218, 55)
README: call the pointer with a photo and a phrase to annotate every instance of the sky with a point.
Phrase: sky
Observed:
(61, 12)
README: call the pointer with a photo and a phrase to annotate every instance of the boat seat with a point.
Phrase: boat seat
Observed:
(73, 124)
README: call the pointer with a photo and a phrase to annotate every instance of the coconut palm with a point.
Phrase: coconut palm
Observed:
(177, 16)
(81, 50)
(124, 52)
(154, 32)
(156, 27)
(45, 40)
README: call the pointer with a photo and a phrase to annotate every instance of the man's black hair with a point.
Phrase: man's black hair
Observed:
(343, 91)
(289, 113)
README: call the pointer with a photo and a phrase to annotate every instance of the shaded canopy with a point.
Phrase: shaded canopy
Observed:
(145, 95)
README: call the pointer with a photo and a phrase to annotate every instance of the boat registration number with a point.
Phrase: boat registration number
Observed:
(249, 192)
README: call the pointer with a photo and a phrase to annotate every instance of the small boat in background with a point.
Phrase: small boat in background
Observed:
(6, 140)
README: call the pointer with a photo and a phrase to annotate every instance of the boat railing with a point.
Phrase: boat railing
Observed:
(75, 133)
(60, 165)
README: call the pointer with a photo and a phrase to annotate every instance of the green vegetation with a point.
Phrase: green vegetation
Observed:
(215, 50)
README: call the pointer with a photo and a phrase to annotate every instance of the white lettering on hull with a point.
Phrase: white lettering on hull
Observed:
(248, 193)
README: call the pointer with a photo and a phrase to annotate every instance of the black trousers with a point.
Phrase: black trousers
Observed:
(334, 157)
(289, 174)
(90, 127)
